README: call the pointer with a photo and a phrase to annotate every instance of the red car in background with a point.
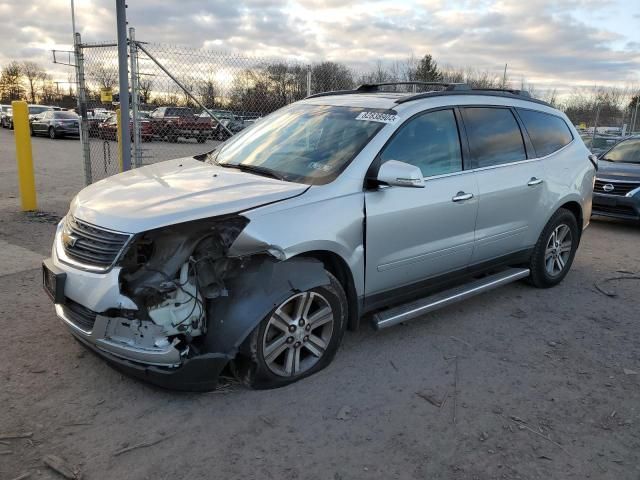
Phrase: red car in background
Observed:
(108, 129)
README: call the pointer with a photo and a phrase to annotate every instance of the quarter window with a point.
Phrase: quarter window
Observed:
(429, 142)
(494, 136)
(548, 133)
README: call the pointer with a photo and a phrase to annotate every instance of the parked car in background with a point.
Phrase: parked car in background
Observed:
(108, 129)
(55, 124)
(38, 109)
(174, 271)
(616, 192)
(3, 114)
(601, 143)
(233, 126)
(95, 118)
(8, 118)
(172, 123)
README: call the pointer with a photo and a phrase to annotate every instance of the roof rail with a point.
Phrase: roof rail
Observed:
(496, 92)
(522, 93)
(375, 87)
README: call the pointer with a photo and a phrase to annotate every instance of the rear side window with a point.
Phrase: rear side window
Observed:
(548, 133)
(494, 136)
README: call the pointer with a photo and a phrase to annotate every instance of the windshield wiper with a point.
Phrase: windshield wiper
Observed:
(267, 172)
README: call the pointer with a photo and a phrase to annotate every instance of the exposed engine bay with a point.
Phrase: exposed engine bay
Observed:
(170, 274)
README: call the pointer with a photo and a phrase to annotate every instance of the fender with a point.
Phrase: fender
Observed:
(263, 285)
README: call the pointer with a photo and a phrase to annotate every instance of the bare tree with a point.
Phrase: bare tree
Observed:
(11, 82)
(33, 72)
(208, 92)
(145, 85)
(327, 76)
(106, 76)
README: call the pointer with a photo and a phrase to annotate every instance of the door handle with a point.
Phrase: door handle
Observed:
(461, 197)
(534, 181)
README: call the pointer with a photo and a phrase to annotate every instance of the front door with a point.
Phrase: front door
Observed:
(413, 234)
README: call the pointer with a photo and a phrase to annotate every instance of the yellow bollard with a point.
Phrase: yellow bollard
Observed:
(119, 135)
(24, 156)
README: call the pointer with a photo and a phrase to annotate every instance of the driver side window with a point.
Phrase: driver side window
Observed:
(430, 142)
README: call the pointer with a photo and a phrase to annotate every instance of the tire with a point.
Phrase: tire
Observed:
(31, 131)
(201, 139)
(52, 133)
(552, 257)
(259, 372)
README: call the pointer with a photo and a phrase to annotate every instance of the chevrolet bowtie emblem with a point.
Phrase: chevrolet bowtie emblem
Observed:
(68, 240)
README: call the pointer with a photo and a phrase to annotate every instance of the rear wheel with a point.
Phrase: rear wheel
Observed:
(297, 339)
(52, 133)
(555, 250)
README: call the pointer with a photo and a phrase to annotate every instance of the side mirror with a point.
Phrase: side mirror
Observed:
(400, 174)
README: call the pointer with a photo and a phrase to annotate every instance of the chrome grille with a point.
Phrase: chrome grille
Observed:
(619, 188)
(91, 245)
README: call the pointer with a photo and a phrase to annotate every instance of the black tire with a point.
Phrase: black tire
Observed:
(31, 131)
(540, 276)
(252, 370)
(52, 133)
(172, 138)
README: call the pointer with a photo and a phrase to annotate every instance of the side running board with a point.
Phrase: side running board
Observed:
(417, 308)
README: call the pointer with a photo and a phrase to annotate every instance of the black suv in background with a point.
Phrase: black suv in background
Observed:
(616, 192)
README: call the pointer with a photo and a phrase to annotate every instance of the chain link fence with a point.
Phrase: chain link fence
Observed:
(186, 101)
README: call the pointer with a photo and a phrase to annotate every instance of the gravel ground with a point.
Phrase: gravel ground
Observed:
(533, 383)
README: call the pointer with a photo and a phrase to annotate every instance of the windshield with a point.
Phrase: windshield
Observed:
(38, 109)
(625, 152)
(302, 143)
(179, 112)
(65, 115)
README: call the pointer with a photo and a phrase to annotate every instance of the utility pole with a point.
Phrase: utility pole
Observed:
(73, 20)
(123, 72)
(504, 77)
(635, 113)
(595, 126)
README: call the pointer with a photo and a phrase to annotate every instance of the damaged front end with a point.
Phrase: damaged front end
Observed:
(170, 274)
(176, 307)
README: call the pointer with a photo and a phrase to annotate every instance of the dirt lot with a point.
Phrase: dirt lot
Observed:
(535, 383)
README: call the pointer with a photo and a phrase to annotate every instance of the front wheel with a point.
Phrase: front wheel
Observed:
(52, 133)
(555, 250)
(297, 339)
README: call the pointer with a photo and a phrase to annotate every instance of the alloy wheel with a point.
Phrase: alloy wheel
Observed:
(558, 250)
(298, 334)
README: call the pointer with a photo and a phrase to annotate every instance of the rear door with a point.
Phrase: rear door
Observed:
(511, 182)
(416, 233)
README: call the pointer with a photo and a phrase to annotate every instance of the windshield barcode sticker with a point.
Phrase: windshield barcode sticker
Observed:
(378, 117)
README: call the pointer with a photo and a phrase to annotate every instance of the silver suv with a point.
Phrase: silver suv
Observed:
(257, 256)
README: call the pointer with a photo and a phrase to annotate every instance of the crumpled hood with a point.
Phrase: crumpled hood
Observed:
(173, 192)
(618, 171)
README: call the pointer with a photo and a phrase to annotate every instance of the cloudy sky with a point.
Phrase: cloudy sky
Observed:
(550, 43)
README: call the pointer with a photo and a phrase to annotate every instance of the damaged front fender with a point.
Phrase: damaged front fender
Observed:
(262, 285)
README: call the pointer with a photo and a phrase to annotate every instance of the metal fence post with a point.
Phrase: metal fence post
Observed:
(595, 126)
(82, 108)
(308, 80)
(133, 58)
(123, 76)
